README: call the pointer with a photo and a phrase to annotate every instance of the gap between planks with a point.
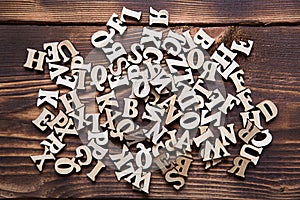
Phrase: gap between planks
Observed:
(249, 24)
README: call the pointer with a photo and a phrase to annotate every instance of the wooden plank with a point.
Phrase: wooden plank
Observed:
(181, 12)
(271, 73)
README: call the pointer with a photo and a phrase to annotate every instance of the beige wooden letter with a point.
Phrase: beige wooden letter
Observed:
(39, 61)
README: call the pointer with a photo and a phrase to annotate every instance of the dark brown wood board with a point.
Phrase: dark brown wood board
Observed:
(272, 72)
(182, 12)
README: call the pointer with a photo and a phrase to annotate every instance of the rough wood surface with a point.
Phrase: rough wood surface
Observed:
(183, 12)
(272, 72)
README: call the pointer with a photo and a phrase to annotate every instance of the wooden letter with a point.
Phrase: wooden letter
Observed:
(189, 41)
(72, 100)
(134, 137)
(117, 24)
(190, 120)
(249, 132)
(187, 97)
(138, 56)
(68, 81)
(215, 99)
(184, 140)
(107, 99)
(209, 72)
(216, 150)
(180, 63)
(101, 138)
(162, 80)
(215, 118)
(163, 165)
(172, 141)
(56, 70)
(102, 38)
(95, 77)
(69, 129)
(255, 118)
(95, 121)
(117, 81)
(125, 172)
(203, 136)
(51, 49)
(115, 51)
(203, 39)
(151, 36)
(155, 113)
(242, 47)
(95, 171)
(158, 17)
(50, 97)
(87, 153)
(254, 159)
(70, 47)
(183, 164)
(130, 13)
(59, 121)
(39, 61)
(177, 36)
(143, 157)
(120, 62)
(141, 87)
(81, 70)
(223, 56)
(139, 178)
(155, 51)
(81, 79)
(133, 72)
(76, 60)
(229, 103)
(245, 97)
(226, 134)
(54, 144)
(156, 147)
(80, 117)
(172, 176)
(198, 87)
(240, 164)
(170, 116)
(175, 46)
(42, 119)
(98, 151)
(96, 142)
(40, 159)
(66, 166)
(262, 142)
(121, 159)
(111, 115)
(191, 58)
(155, 132)
(233, 65)
(124, 126)
(238, 80)
(265, 107)
(188, 76)
(130, 108)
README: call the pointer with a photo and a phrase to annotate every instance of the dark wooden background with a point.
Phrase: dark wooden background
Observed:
(271, 72)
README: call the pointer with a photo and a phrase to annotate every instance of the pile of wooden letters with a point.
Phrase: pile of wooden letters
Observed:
(159, 106)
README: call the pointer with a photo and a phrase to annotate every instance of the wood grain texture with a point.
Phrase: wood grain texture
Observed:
(181, 11)
(272, 72)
